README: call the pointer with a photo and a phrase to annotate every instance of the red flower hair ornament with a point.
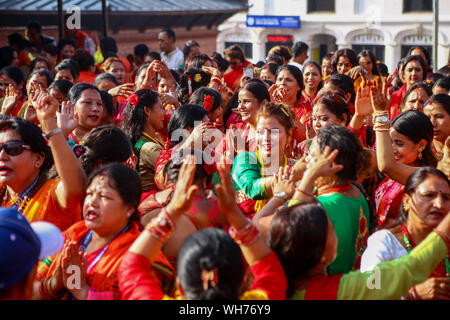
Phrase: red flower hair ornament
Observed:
(134, 100)
(208, 102)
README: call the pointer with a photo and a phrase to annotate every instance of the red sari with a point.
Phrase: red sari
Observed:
(388, 199)
(396, 100)
(233, 77)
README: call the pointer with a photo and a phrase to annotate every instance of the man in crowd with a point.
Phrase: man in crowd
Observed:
(170, 53)
(299, 54)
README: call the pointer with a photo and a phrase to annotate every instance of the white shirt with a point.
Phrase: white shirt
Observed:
(298, 65)
(381, 246)
(174, 60)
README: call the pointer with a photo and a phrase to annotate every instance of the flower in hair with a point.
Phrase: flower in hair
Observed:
(210, 278)
(198, 77)
(208, 102)
(134, 100)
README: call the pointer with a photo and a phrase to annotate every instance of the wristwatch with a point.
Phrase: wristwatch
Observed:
(382, 119)
(282, 195)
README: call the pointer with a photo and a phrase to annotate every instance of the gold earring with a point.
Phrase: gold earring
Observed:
(419, 156)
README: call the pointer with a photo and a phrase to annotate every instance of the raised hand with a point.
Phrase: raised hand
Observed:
(73, 258)
(12, 96)
(226, 191)
(45, 105)
(284, 181)
(363, 103)
(379, 95)
(150, 75)
(212, 71)
(323, 165)
(124, 90)
(67, 119)
(356, 72)
(162, 68)
(184, 194)
(169, 99)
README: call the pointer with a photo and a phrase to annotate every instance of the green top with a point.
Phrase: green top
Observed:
(391, 279)
(246, 174)
(350, 217)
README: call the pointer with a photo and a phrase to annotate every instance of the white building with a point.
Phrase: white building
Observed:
(386, 27)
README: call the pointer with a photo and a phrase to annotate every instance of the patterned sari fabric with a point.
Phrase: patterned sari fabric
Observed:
(388, 199)
(102, 277)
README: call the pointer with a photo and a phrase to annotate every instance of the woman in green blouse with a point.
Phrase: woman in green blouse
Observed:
(253, 172)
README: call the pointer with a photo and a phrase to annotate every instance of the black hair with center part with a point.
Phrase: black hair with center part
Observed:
(126, 182)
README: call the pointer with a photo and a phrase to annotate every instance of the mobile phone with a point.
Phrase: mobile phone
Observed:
(248, 72)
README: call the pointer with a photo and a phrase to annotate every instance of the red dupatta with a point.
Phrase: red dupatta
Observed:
(388, 197)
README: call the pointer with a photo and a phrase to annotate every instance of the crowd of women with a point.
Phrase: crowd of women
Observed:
(211, 183)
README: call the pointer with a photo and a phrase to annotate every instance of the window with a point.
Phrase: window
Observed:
(417, 5)
(360, 6)
(377, 50)
(246, 46)
(320, 5)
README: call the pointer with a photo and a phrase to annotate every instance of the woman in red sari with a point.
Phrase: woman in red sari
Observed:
(288, 90)
(312, 79)
(96, 244)
(236, 58)
(12, 82)
(403, 144)
(438, 110)
(414, 70)
(186, 128)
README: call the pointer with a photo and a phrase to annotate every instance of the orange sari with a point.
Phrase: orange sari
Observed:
(102, 278)
(44, 207)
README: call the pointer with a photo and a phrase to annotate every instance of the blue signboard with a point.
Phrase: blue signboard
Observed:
(285, 22)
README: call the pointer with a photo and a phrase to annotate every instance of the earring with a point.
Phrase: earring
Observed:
(37, 164)
(419, 156)
(129, 214)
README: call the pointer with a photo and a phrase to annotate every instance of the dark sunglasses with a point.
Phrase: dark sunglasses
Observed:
(14, 147)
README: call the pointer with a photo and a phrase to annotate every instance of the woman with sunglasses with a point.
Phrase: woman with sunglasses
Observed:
(25, 158)
(236, 58)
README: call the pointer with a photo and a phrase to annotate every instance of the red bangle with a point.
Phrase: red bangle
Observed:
(162, 226)
(246, 235)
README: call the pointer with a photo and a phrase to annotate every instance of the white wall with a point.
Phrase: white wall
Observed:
(381, 17)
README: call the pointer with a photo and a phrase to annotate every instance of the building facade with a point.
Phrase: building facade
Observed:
(387, 27)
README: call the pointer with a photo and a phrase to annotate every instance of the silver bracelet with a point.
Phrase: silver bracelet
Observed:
(52, 133)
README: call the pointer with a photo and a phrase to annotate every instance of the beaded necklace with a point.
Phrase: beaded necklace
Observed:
(24, 198)
(410, 245)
